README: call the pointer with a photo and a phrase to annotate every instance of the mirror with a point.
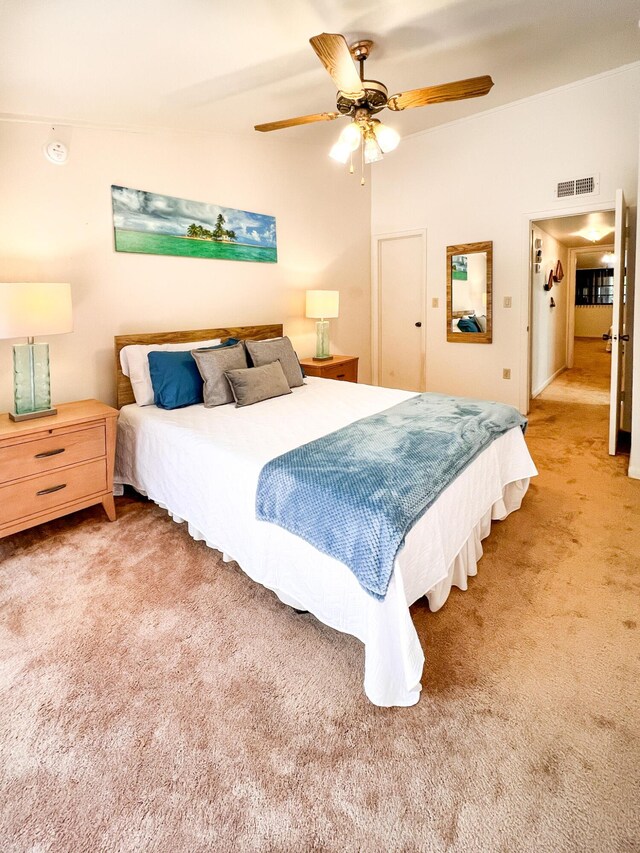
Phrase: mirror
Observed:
(469, 280)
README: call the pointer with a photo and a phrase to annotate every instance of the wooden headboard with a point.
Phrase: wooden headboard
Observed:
(124, 392)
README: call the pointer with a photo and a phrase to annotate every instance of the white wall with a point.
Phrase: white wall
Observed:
(592, 321)
(56, 225)
(548, 322)
(483, 178)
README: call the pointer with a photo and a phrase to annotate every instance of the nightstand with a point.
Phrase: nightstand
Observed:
(343, 367)
(55, 465)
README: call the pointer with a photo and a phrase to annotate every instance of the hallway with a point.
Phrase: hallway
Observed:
(588, 380)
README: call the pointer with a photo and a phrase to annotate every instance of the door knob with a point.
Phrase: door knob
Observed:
(418, 325)
(606, 337)
(624, 337)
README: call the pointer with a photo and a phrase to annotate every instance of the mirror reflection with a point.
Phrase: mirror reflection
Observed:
(469, 292)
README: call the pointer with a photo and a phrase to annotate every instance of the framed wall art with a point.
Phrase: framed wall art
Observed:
(152, 224)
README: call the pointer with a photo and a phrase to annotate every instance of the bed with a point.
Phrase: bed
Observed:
(202, 466)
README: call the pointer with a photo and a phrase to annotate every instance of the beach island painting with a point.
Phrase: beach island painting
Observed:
(153, 224)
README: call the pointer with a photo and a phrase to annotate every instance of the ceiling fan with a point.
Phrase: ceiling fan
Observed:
(361, 99)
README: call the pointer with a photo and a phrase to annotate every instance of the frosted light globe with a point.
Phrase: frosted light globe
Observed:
(387, 137)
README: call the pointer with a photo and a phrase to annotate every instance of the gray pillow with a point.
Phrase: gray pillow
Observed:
(254, 384)
(212, 364)
(277, 349)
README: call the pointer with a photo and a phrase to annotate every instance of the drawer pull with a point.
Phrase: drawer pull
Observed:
(340, 376)
(52, 489)
(49, 453)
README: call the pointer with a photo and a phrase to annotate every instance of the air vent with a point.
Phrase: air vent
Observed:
(587, 185)
(566, 188)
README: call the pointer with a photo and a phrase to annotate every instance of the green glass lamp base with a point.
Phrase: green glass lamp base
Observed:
(322, 341)
(27, 416)
(31, 385)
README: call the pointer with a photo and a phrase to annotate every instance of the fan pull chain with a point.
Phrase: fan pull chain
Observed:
(362, 164)
(351, 163)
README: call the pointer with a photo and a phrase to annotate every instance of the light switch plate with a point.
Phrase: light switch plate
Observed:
(507, 302)
(506, 373)
(435, 302)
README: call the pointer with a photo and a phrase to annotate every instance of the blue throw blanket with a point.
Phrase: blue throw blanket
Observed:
(355, 494)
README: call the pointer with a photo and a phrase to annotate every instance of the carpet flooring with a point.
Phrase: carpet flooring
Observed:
(152, 698)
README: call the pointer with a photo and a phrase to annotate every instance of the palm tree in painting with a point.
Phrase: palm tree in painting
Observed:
(232, 235)
(192, 230)
(218, 231)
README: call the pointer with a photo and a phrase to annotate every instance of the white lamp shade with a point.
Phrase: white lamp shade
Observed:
(28, 310)
(351, 136)
(340, 152)
(387, 137)
(322, 304)
(372, 152)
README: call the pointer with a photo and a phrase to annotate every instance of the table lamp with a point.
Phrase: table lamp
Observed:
(29, 310)
(322, 304)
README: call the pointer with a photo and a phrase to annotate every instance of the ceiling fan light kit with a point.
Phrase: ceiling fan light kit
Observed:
(387, 137)
(361, 99)
(372, 151)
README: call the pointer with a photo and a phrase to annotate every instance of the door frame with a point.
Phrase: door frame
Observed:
(376, 241)
(528, 221)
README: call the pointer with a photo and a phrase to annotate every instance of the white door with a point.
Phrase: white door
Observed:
(617, 328)
(400, 309)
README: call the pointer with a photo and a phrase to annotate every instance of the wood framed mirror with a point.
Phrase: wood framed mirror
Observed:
(470, 293)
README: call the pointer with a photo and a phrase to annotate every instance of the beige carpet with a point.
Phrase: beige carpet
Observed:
(155, 699)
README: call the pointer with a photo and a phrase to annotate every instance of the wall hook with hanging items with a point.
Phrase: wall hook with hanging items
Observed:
(549, 282)
(537, 245)
(552, 303)
(558, 274)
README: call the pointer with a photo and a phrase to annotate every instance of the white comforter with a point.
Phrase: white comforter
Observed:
(203, 466)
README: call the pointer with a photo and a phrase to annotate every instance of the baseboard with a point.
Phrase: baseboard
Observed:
(548, 381)
(634, 472)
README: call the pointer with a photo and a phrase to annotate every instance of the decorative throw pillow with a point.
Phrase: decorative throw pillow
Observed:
(212, 364)
(277, 349)
(175, 377)
(255, 384)
(467, 324)
(135, 364)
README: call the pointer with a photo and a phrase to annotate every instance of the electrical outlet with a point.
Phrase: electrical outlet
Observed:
(507, 302)
(506, 373)
(435, 302)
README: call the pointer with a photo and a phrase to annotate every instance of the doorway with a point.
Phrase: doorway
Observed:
(577, 311)
(398, 310)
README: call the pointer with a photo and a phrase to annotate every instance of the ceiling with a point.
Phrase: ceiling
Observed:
(578, 232)
(202, 65)
(593, 260)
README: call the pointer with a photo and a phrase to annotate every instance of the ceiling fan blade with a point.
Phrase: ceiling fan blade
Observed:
(474, 87)
(293, 122)
(333, 52)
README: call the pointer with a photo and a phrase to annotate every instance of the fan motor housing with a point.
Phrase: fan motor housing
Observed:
(374, 99)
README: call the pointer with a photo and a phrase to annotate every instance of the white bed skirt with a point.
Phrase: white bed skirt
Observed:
(465, 564)
(380, 688)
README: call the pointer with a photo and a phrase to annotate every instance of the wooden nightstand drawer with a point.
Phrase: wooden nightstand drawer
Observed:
(46, 453)
(346, 372)
(341, 367)
(43, 493)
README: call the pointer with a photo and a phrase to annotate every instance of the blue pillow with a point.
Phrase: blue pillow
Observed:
(175, 377)
(468, 324)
